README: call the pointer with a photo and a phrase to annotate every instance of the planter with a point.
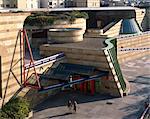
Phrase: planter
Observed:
(67, 35)
(77, 23)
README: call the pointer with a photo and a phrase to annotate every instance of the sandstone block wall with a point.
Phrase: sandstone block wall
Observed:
(141, 18)
(10, 24)
(111, 30)
(79, 56)
(114, 30)
(133, 41)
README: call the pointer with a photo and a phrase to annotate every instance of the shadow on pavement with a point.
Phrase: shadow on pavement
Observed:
(62, 98)
(138, 108)
(60, 115)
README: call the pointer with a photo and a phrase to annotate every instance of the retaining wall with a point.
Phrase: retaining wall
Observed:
(10, 24)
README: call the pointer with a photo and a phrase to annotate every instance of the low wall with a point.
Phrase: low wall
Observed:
(133, 42)
(78, 56)
(114, 30)
(77, 23)
(67, 35)
(111, 30)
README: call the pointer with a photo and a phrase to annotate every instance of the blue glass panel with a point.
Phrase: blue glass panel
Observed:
(129, 26)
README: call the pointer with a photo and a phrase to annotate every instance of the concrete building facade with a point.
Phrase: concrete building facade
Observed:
(21, 4)
(70, 3)
(87, 3)
(1, 3)
(52, 3)
(32, 4)
(8, 3)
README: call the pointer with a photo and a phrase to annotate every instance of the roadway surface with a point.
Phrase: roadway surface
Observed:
(102, 106)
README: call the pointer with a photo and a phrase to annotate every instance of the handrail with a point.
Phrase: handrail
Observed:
(131, 35)
(45, 60)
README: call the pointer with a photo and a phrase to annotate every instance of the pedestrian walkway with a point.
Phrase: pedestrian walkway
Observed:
(103, 106)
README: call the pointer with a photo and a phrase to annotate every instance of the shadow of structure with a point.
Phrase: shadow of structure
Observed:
(59, 115)
(144, 23)
(135, 110)
(142, 79)
(62, 98)
(138, 108)
(143, 86)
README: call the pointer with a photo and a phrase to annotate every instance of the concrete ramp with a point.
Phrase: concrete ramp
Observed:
(91, 52)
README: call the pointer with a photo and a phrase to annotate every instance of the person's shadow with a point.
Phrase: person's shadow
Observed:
(59, 115)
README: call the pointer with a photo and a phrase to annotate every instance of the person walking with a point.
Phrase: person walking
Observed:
(69, 105)
(74, 106)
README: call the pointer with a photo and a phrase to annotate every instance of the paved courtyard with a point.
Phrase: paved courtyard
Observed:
(100, 106)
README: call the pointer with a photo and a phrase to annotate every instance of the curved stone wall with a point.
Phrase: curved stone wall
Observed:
(111, 55)
(77, 23)
(67, 35)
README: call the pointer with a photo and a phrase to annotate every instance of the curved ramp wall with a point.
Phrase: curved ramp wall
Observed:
(111, 55)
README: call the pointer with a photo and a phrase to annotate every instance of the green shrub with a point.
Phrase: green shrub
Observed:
(39, 20)
(43, 19)
(17, 108)
(77, 14)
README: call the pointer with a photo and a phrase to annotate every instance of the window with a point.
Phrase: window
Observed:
(50, 3)
(31, 5)
(7, 5)
(39, 34)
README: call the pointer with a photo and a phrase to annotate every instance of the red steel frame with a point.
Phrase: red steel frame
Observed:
(25, 41)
